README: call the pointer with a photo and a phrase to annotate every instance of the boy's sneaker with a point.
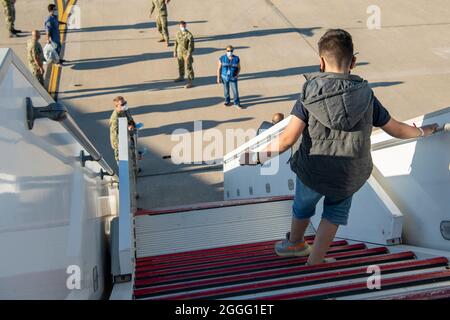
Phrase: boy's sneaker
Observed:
(285, 248)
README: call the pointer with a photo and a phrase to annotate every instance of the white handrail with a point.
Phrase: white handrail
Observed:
(9, 57)
(260, 139)
(382, 140)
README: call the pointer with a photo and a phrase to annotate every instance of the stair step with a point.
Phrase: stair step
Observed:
(307, 280)
(254, 270)
(147, 278)
(361, 287)
(215, 251)
(213, 263)
(247, 251)
(147, 288)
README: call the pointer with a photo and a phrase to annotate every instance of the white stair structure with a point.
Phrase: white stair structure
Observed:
(224, 250)
(55, 209)
(410, 184)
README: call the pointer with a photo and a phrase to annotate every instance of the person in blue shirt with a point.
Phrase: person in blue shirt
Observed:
(228, 73)
(52, 29)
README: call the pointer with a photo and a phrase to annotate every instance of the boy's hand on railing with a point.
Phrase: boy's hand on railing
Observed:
(249, 158)
(429, 129)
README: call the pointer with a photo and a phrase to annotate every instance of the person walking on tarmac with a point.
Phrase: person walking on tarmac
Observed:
(228, 72)
(51, 25)
(184, 48)
(161, 18)
(36, 56)
(10, 17)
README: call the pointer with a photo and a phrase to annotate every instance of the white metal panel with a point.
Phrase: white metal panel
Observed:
(50, 216)
(211, 228)
(373, 217)
(125, 217)
(416, 175)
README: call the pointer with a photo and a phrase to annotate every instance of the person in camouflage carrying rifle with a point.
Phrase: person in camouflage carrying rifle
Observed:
(10, 17)
(36, 56)
(161, 18)
(184, 48)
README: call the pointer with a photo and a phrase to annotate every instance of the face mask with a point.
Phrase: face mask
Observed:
(124, 107)
(182, 29)
(229, 54)
(55, 13)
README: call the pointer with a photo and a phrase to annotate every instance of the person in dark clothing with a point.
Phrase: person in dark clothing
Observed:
(277, 117)
(51, 25)
(335, 116)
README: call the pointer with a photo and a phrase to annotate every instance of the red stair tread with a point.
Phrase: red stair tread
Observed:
(213, 205)
(267, 274)
(237, 270)
(232, 260)
(309, 279)
(251, 264)
(246, 268)
(227, 250)
(246, 251)
(349, 289)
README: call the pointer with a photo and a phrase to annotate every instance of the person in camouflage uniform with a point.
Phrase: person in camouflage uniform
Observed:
(120, 110)
(36, 56)
(184, 48)
(161, 18)
(10, 17)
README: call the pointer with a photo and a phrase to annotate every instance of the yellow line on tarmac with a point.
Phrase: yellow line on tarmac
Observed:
(62, 16)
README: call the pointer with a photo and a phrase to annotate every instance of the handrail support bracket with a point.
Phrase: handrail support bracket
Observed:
(54, 111)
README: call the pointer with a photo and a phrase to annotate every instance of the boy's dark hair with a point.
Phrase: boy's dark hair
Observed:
(182, 22)
(51, 7)
(337, 45)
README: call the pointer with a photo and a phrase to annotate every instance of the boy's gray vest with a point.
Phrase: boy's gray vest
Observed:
(334, 157)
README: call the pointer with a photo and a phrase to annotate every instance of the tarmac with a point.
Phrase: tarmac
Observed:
(115, 52)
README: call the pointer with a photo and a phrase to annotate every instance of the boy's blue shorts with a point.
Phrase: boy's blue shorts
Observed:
(305, 201)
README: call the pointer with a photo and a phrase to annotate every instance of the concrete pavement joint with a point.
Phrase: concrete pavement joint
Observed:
(289, 23)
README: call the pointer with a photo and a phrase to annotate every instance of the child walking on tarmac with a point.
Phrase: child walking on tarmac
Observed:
(335, 116)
